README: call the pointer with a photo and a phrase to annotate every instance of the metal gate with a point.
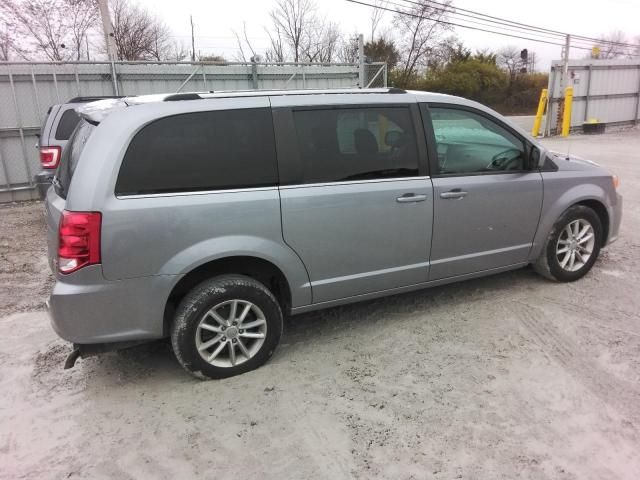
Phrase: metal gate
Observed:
(604, 90)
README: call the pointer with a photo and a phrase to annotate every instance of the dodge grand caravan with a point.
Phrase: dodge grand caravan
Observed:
(207, 217)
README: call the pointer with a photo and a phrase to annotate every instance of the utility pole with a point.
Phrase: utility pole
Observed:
(107, 27)
(193, 42)
(110, 41)
(565, 63)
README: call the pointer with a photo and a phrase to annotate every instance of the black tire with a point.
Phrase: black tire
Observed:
(548, 264)
(202, 299)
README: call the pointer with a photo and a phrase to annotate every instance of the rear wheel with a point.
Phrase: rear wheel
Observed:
(226, 326)
(572, 246)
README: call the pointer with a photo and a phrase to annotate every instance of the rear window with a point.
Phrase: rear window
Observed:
(201, 151)
(67, 124)
(70, 156)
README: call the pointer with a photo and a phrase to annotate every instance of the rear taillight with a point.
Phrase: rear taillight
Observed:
(78, 240)
(50, 157)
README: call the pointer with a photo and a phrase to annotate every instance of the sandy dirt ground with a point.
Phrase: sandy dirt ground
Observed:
(505, 377)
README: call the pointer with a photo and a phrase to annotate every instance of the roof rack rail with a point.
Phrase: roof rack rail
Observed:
(182, 96)
(203, 95)
(93, 98)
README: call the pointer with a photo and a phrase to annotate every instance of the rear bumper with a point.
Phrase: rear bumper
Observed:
(86, 309)
(43, 181)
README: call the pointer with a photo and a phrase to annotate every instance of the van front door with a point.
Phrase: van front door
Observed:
(487, 201)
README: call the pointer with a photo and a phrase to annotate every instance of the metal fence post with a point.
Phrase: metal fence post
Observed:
(384, 78)
(55, 82)
(254, 74)
(586, 100)
(75, 71)
(6, 175)
(551, 88)
(35, 91)
(637, 119)
(20, 127)
(362, 78)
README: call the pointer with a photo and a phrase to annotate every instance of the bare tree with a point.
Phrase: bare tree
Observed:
(376, 17)
(138, 34)
(244, 41)
(420, 31)
(294, 19)
(276, 51)
(348, 50)
(509, 60)
(53, 29)
(609, 46)
(83, 16)
(178, 51)
(321, 42)
(7, 46)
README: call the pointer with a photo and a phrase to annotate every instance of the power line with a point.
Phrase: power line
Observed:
(460, 25)
(490, 23)
(489, 18)
(525, 26)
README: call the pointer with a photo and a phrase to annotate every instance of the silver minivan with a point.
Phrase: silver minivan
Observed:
(208, 217)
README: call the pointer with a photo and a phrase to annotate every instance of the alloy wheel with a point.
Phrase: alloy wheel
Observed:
(231, 333)
(575, 245)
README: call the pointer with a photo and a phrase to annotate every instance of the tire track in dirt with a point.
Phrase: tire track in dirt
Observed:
(592, 312)
(316, 437)
(623, 397)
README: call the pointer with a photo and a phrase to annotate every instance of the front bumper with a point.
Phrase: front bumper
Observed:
(615, 219)
(84, 308)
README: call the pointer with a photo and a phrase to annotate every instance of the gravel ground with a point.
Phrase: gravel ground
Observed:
(25, 279)
(505, 377)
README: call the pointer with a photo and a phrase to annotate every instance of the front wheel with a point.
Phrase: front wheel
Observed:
(226, 326)
(572, 246)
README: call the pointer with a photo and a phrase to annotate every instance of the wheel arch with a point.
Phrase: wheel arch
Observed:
(261, 270)
(559, 197)
(600, 209)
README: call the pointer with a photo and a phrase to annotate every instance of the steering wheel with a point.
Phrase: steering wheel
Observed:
(502, 160)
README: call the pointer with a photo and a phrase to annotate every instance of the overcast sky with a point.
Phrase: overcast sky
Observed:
(215, 21)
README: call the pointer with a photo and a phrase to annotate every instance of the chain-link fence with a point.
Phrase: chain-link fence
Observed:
(375, 75)
(27, 89)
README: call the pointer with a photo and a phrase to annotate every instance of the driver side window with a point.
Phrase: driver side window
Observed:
(471, 143)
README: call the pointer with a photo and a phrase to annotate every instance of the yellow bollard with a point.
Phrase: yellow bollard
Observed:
(541, 106)
(566, 117)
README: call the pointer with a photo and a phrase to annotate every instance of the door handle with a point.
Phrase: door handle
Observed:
(411, 198)
(455, 193)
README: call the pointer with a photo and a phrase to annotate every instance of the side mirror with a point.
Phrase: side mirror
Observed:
(534, 157)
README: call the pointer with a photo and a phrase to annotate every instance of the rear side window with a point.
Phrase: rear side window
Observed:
(67, 124)
(201, 151)
(356, 144)
(70, 157)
